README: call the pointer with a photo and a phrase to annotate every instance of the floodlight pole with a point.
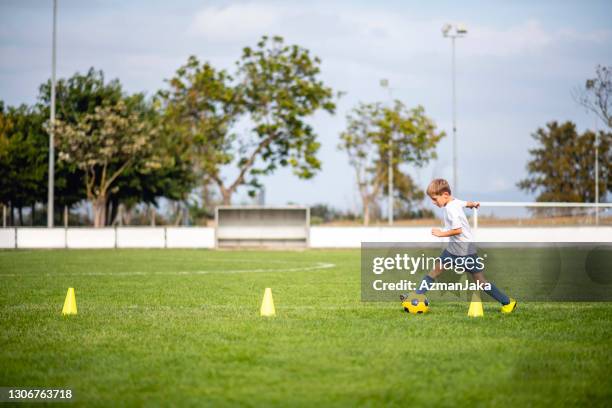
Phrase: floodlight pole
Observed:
(455, 184)
(596, 173)
(52, 126)
(385, 84)
(453, 32)
(391, 180)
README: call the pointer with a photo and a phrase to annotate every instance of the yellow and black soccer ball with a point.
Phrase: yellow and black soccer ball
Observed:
(416, 304)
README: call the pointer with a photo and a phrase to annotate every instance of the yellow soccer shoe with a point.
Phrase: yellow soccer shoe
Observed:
(510, 307)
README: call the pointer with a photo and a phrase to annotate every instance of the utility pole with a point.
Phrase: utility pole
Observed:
(596, 173)
(453, 32)
(455, 183)
(385, 84)
(52, 126)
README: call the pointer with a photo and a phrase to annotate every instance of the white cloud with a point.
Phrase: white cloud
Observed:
(355, 32)
(526, 37)
(237, 21)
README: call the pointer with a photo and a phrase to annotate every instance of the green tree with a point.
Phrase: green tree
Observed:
(373, 131)
(173, 179)
(23, 162)
(104, 145)
(562, 166)
(75, 97)
(80, 97)
(275, 89)
(200, 109)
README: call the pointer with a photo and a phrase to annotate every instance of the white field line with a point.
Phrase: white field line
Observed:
(202, 308)
(318, 265)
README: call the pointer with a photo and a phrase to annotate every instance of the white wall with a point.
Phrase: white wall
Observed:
(90, 238)
(140, 237)
(320, 237)
(7, 237)
(125, 237)
(351, 237)
(193, 237)
(41, 237)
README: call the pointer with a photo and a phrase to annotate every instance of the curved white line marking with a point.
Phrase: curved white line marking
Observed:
(318, 265)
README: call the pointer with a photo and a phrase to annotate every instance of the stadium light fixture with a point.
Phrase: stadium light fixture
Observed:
(454, 31)
(446, 29)
(52, 125)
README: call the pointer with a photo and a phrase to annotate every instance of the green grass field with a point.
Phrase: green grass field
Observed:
(181, 328)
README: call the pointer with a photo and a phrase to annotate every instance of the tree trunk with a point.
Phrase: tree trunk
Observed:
(99, 209)
(116, 205)
(32, 214)
(376, 211)
(178, 213)
(152, 214)
(112, 210)
(107, 211)
(120, 210)
(126, 213)
(366, 211)
(206, 198)
(20, 212)
(227, 196)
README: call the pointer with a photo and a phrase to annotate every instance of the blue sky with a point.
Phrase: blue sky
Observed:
(515, 69)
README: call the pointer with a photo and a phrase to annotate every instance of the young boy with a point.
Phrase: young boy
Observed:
(457, 228)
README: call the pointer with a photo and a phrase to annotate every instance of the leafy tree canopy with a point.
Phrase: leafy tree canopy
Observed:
(373, 132)
(274, 89)
(562, 166)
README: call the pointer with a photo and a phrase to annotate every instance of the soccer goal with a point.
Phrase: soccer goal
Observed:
(257, 226)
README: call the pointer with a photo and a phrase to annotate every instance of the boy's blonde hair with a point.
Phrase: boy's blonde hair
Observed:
(437, 187)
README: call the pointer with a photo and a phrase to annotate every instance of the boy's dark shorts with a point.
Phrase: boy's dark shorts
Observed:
(471, 267)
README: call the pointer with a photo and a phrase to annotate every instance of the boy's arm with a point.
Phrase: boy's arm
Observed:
(472, 204)
(437, 232)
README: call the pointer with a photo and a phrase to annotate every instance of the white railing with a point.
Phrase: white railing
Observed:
(596, 207)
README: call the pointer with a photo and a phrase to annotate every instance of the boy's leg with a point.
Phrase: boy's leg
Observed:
(495, 293)
(428, 280)
(433, 274)
(425, 282)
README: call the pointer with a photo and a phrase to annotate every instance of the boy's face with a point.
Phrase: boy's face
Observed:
(440, 200)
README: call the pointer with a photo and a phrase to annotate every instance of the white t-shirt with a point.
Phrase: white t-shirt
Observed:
(454, 218)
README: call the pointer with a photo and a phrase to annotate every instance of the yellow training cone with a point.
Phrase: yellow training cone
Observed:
(267, 305)
(70, 307)
(475, 309)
